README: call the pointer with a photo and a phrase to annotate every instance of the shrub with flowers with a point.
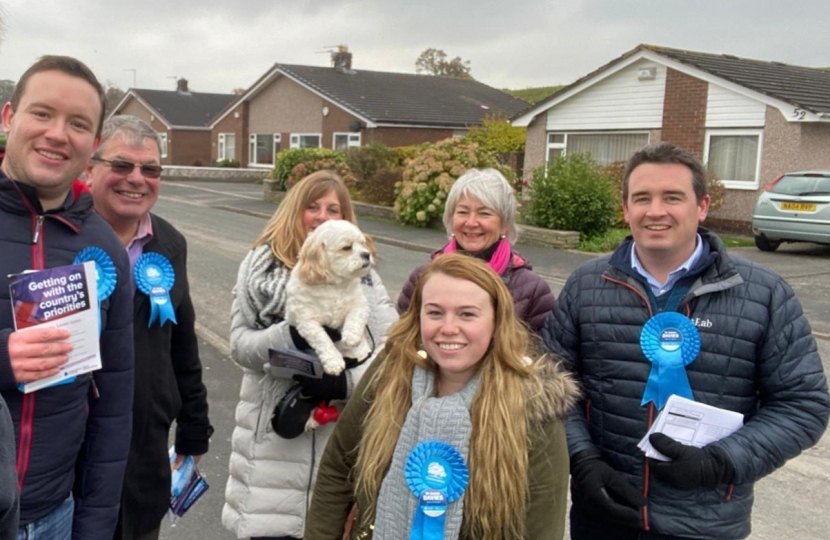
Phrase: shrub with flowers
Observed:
(305, 168)
(428, 177)
(295, 163)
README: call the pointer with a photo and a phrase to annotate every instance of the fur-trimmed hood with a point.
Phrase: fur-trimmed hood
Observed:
(559, 391)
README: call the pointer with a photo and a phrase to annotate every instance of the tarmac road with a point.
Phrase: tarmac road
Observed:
(221, 220)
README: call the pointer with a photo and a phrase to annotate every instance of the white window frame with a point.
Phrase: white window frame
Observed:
(163, 144)
(737, 184)
(220, 153)
(564, 144)
(252, 140)
(352, 139)
(295, 140)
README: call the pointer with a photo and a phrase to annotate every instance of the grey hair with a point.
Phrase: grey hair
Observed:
(490, 188)
(131, 129)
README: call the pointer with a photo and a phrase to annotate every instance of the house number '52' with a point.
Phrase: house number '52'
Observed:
(799, 113)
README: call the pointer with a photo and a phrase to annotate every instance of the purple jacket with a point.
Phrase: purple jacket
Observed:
(531, 294)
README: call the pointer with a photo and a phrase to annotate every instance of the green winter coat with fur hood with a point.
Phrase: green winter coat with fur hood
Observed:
(547, 474)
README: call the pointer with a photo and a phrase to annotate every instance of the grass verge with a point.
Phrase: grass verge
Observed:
(610, 240)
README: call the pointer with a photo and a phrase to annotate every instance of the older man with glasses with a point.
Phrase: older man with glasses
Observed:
(124, 176)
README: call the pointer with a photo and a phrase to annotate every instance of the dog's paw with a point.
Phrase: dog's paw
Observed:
(350, 340)
(333, 365)
(361, 351)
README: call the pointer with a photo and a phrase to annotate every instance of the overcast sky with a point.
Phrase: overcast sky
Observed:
(219, 45)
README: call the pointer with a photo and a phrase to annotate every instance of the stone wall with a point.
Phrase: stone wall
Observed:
(213, 174)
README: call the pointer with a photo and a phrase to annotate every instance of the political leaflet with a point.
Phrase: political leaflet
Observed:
(186, 486)
(61, 297)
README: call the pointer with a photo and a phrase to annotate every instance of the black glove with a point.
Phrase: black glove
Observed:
(302, 345)
(601, 491)
(327, 388)
(690, 467)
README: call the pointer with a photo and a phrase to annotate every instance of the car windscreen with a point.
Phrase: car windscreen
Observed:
(803, 185)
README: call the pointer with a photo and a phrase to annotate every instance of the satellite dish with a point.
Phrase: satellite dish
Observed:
(356, 126)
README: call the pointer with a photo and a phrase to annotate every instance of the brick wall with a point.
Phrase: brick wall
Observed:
(684, 111)
(135, 108)
(189, 147)
(337, 121)
(535, 144)
(234, 122)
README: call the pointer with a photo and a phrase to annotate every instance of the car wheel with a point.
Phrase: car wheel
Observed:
(765, 244)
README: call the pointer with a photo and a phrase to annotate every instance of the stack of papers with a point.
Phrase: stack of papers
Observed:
(691, 423)
(187, 485)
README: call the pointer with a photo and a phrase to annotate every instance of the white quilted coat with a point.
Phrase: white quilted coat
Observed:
(271, 478)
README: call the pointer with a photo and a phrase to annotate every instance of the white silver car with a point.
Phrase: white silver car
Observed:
(794, 208)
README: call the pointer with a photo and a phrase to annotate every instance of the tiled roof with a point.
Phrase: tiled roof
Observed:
(401, 98)
(804, 87)
(192, 109)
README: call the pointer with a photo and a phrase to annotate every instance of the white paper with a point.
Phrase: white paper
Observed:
(691, 423)
(61, 297)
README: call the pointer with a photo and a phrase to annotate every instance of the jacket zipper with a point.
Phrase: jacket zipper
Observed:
(27, 411)
(646, 470)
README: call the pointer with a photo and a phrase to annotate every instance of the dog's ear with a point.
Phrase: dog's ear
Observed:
(314, 267)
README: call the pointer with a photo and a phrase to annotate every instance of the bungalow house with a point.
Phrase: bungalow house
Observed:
(748, 120)
(181, 118)
(337, 107)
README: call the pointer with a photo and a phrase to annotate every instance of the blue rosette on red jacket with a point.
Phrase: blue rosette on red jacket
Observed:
(437, 475)
(154, 276)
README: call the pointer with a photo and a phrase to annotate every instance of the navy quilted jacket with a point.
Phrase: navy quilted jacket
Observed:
(67, 439)
(758, 357)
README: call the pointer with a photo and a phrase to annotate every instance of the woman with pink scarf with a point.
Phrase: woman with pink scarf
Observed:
(480, 217)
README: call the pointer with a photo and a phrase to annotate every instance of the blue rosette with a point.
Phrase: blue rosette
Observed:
(154, 276)
(671, 342)
(105, 274)
(437, 475)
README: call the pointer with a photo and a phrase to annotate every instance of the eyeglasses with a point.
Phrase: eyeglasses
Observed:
(119, 166)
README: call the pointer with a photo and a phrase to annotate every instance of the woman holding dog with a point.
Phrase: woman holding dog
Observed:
(271, 477)
(480, 217)
(459, 418)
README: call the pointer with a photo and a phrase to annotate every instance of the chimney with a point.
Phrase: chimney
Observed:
(341, 59)
(181, 86)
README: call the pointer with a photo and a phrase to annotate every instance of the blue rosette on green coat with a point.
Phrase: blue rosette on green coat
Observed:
(437, 475)
(105, 274)
(154, 276)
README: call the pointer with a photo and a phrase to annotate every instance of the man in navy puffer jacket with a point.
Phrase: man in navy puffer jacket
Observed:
(757, 357)
(72, 440)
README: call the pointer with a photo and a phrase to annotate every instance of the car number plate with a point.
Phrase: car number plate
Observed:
(798, 206)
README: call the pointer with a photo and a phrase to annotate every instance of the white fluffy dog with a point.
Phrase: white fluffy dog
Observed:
(324, 290)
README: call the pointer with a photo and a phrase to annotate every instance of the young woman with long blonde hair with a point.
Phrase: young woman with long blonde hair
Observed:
(458, 369)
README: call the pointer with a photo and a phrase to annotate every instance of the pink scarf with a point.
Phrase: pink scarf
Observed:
(498, 262)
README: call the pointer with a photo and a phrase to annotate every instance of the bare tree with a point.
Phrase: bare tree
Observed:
(6, 90)
(434, 62)
(114, 95)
